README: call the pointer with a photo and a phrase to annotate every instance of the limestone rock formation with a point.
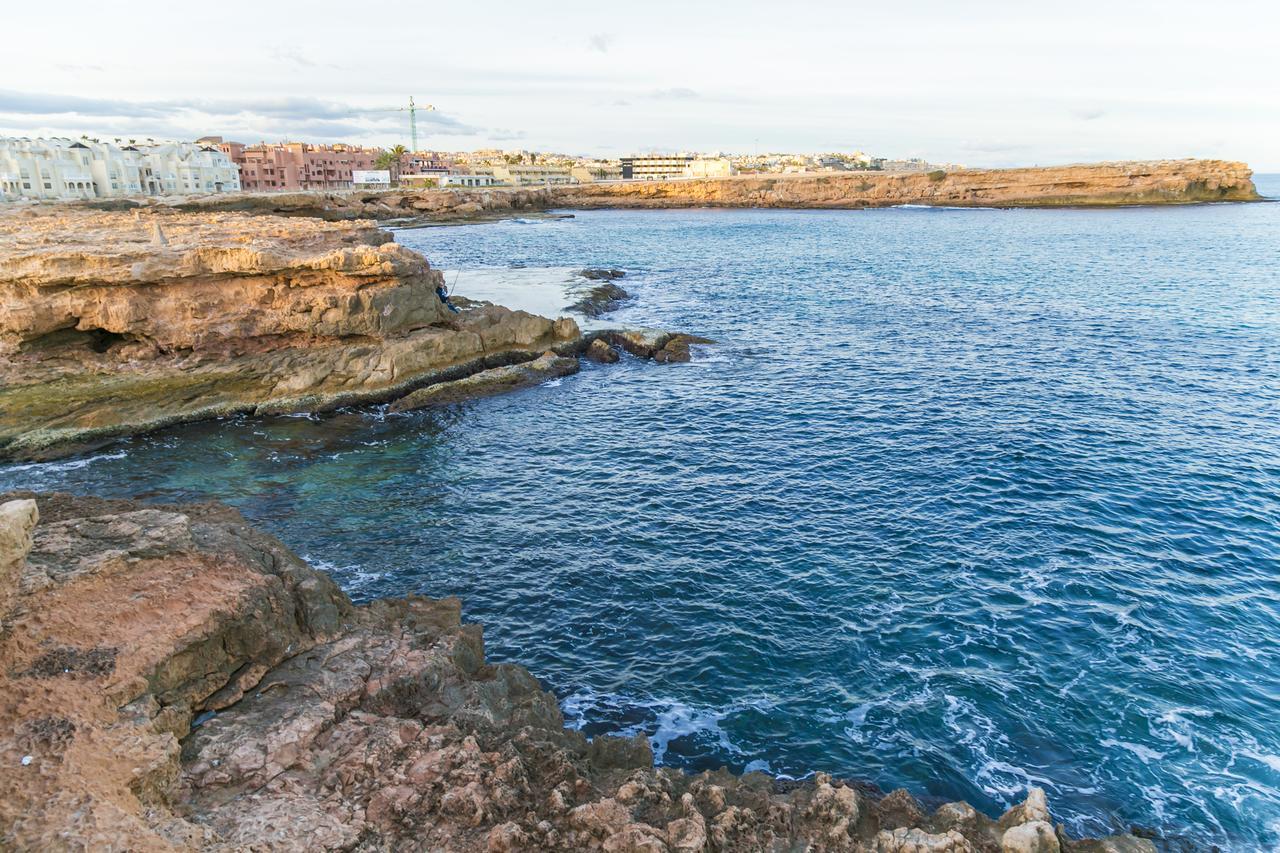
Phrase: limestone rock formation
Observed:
(17, 521)
(226, 696)
(103, 333)
(1095, 184)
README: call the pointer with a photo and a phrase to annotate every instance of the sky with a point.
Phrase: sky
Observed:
(979, 83)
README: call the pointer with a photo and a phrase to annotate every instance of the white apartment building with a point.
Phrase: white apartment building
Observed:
(60, 169)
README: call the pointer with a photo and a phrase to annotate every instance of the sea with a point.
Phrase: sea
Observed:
(960, 500)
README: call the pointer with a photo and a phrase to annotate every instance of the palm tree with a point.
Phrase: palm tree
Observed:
(390, 160)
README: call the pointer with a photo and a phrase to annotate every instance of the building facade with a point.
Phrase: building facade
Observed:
(285, 166)
(710, 167)
(60, 169)
(528, 175)
(655, 167)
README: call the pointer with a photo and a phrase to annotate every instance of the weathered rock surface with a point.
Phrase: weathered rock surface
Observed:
(600, 298)
(497, 380)
(17, 521)
(430, 205)
(103, 333)
(601, 353)
(1096, 184)
(226, 696)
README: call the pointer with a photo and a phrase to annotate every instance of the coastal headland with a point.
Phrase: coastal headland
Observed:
(227, 696)
(1085, 185)
(117, 323)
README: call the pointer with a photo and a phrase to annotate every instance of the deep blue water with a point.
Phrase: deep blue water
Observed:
(962, 501)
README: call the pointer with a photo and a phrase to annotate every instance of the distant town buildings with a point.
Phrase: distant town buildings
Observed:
(284, 166)
(531, 174)
(87, 168)
(60, 169)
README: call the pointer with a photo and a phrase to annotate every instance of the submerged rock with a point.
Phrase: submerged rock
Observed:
(600, 300)
(338, 727)
(497, 380)
(601, 353)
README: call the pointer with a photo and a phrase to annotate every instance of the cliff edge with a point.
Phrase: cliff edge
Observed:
(224, 695)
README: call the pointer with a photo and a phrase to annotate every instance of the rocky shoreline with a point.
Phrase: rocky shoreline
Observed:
(227, 696)
(118, 323)
(1160, 182)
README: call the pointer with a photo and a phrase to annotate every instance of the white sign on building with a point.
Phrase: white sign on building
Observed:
(379, 177)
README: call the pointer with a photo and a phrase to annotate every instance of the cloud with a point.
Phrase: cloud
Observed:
(289, 56)
(601, 42)
(79, 69)
(259, 118)
(678, 93)
(1088, 114)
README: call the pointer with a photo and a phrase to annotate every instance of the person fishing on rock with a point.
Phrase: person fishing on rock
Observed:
(444, 297)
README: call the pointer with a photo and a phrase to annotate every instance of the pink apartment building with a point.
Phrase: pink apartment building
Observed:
(298, 165)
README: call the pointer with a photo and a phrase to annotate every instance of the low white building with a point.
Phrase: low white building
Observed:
(710, 167)
(60, 169)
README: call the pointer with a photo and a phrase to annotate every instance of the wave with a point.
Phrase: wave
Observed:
(663, 720)
(63, 465)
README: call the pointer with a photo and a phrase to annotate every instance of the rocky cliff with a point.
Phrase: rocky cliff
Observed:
(113, 323)
(226, 696)
(1098, 184)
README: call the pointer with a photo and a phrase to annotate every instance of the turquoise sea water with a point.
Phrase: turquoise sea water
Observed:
(962, 501)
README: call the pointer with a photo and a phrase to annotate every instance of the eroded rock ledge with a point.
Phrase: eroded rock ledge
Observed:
(115, 323)
(172, 679)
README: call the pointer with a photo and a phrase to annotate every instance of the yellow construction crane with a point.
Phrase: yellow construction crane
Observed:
(412, 110)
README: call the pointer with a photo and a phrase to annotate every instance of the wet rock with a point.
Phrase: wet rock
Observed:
(486, 383)
(601, 353)
(602, 274)
(600, 300)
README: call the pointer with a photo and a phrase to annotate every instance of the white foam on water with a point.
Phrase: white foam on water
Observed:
(1145, 753)
(1272, 761)
(66, 464)
(350, 578)
(668, 720)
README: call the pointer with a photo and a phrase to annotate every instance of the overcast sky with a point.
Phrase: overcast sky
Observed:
(981, 83)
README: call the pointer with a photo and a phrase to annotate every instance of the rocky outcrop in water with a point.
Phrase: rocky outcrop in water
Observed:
(224, 695)
(114, 323)
(1097, 184)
